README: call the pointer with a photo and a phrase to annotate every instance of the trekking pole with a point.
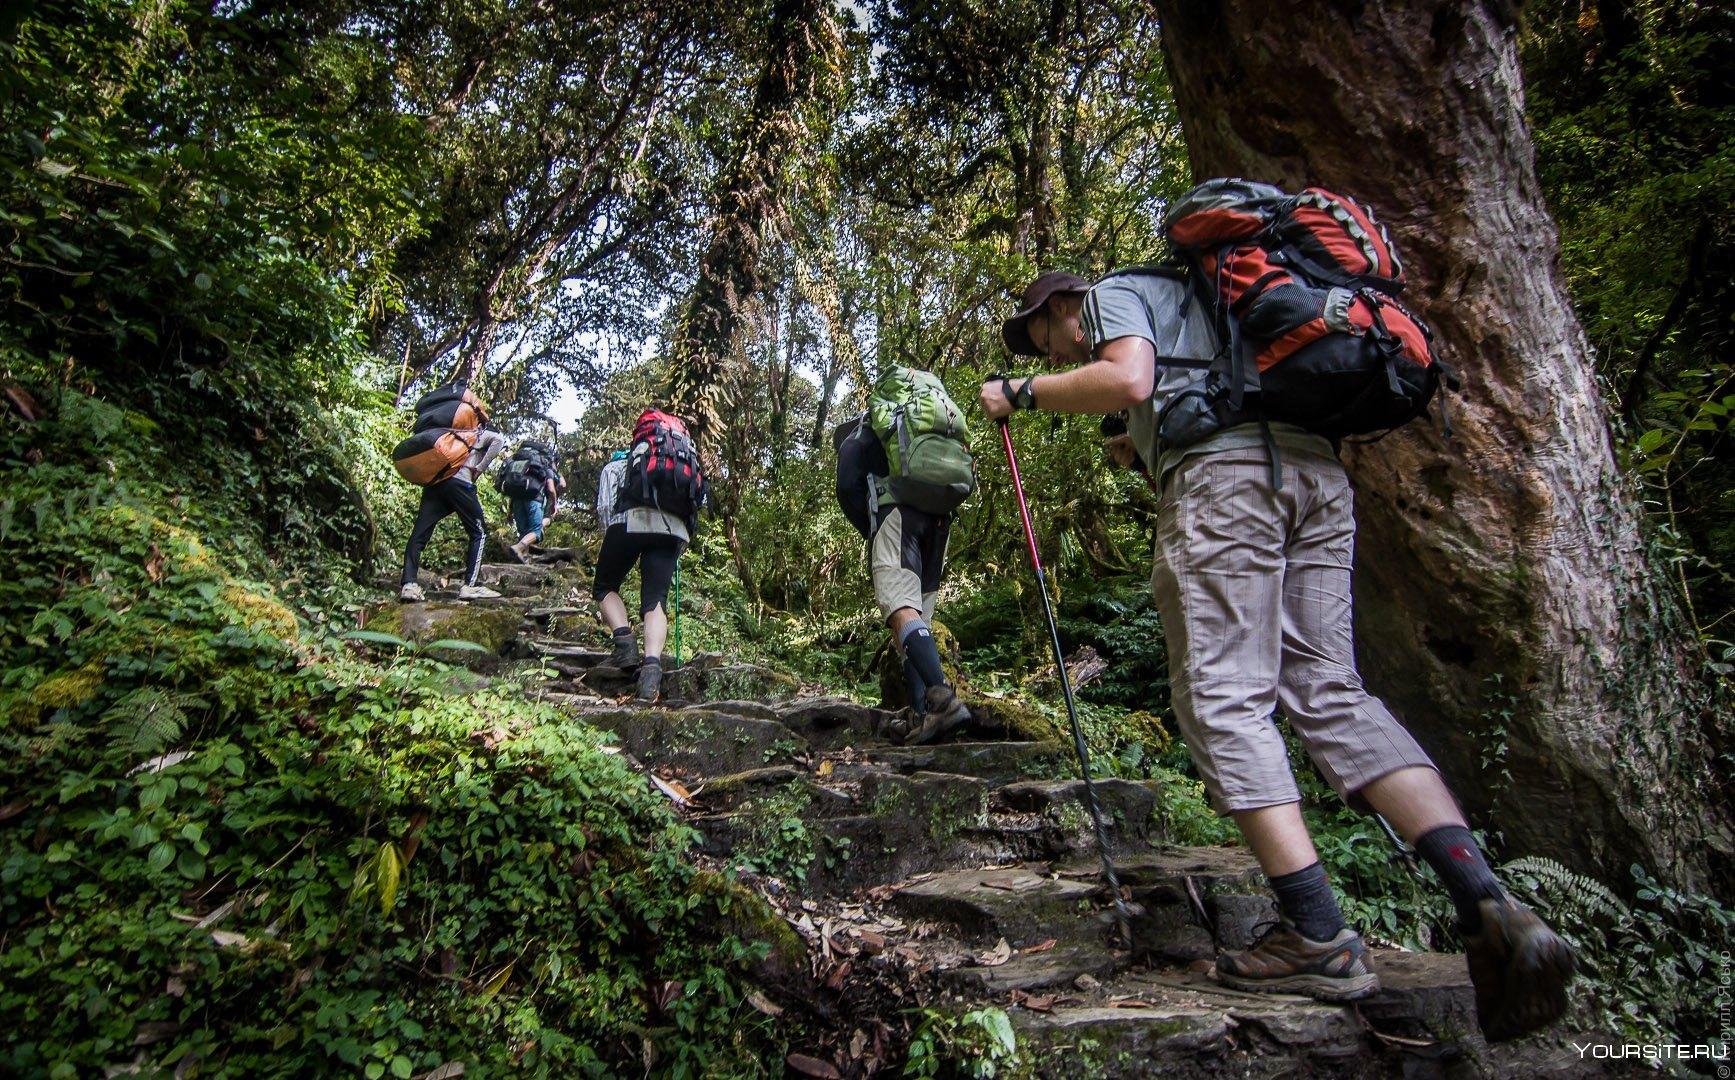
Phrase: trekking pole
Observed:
(1114, 884)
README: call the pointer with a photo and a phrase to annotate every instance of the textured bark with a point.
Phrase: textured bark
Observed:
(1503, 593)
(802, 44)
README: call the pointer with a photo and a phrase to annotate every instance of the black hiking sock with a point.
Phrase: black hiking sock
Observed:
(625, 633)
(921, 652)
(1306, 900)
(652, 661)
(918, 687)
(1452, 852)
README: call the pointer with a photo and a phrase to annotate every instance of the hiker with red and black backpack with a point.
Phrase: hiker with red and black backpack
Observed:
(1276, 333)
(647, 501)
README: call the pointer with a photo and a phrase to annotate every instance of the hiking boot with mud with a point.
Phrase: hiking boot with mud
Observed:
(1520, 969)
(1284, 961)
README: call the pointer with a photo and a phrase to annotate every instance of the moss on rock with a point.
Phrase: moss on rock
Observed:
(751, 919)
(493, 628)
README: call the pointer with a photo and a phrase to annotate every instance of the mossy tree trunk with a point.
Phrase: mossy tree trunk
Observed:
(1507, 607)
(801, 54)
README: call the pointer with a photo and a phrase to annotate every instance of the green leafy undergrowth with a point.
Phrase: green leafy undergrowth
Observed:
(232, 846)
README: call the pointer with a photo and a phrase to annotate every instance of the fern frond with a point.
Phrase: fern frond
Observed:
(1565, 891)
(146, 721)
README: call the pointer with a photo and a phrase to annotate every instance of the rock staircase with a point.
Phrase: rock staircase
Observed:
(966, 873)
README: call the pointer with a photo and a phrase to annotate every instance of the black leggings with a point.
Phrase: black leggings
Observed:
(453, 496)
(656, 555)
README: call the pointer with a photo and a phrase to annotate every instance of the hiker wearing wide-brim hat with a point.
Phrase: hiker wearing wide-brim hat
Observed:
(1255, 533)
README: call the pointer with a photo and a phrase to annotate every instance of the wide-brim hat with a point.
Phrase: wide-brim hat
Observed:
(1015, 331)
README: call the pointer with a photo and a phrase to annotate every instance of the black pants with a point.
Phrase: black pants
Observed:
(656, 555)
(439, 500)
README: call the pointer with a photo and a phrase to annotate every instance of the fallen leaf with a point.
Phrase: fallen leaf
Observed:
(996, 956)
(876, 942)
(13, 809)
(229, 939)
(764, 1004)
(1034, 1002)
(449, 1071)
(154, 565)
(824, 769)
(675, 792)
(857, 1044)
(812, 1066)
(160, 762)
(1088, 983)
(22, 401)
(1130, 1003)
(1008, 884)
(1041, 946)
(834, 981)
(493, 985)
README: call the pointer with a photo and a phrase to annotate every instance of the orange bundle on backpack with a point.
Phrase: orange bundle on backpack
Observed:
(430, 456)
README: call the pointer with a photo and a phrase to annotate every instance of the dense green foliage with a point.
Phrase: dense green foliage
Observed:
(234, 237)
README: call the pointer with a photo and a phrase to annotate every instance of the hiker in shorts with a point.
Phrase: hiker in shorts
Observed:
(533, 509)
(907, 560)
(653, 539)
(1255, 533)
(454, 495)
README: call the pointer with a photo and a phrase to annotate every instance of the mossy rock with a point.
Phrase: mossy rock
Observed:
(494, 627)
(712, 677)
(746, 915)
(894, 692)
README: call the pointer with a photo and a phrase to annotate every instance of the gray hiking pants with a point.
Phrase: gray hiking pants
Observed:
(1253, 586)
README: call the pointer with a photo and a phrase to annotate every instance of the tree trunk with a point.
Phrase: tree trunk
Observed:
(1506, 607)
(801, 41)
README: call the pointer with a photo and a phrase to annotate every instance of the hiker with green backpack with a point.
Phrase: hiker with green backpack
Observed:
(1276, 333)
(903, 469)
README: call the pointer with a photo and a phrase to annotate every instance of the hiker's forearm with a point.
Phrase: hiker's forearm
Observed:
(1101, 386)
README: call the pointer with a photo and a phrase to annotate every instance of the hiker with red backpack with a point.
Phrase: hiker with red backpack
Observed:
(647, 501)
(449, 448)
(1278, 332)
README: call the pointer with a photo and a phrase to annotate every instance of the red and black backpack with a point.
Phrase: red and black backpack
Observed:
(663, 468)
(1304, 289)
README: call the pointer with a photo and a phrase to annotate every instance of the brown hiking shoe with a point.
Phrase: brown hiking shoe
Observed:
(944, 712)
(1520, 968)
(1282, 961)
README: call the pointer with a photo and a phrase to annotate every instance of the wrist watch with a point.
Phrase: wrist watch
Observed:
(1022, 398)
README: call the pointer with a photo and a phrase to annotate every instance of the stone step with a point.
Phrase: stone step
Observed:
(1019, 903)
(698, 742)
(994, 761)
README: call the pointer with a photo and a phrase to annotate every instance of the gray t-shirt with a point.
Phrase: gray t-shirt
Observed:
(483, 451)
(638, 519)
(1156, 307)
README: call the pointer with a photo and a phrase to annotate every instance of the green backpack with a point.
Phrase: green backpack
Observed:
(926, 443)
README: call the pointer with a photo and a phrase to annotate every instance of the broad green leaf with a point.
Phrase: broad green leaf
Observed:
(498, 980)
(375, 637)
(456, 643)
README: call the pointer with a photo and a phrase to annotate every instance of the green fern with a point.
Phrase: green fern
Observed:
(1566, 893)
(147, 720)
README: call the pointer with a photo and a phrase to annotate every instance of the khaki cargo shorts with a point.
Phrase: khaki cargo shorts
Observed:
(1253, 586)
(907, 559)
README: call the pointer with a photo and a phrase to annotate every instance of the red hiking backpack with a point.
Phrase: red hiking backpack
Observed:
(663, 468)
(1304, 291)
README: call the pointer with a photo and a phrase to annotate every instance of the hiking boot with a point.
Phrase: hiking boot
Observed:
(411, 594)
(626, 653)
(943, 713)
(896, 727)
(1520, 968)
(650, 682)
(477, 592)
(520, 552)
(1282, 961)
